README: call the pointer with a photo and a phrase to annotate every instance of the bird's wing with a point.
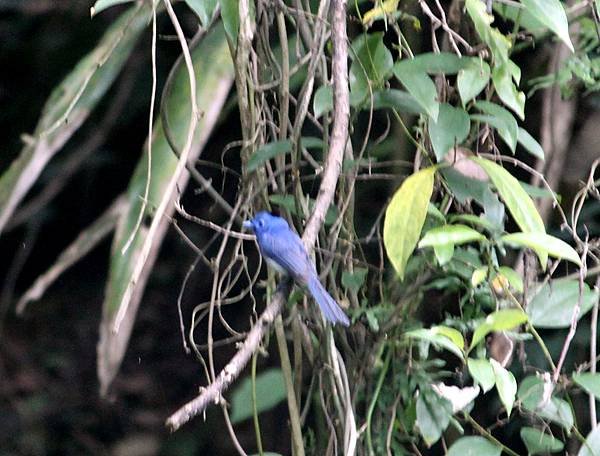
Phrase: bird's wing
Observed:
(286, 249)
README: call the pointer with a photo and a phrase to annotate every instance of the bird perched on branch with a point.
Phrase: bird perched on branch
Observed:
(284, 251)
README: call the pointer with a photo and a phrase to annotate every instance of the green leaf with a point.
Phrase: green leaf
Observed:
(419, 85)
(501, 320)
(530, 144)
(589, 382)
(514, 279)
(323, 101)
(101, 5)
(474, 446)
(371, 58)
(440, 62)
(450, 129)
(453, 334)
(443, 253)
(507, 91)
(472, 80)
(354, 280)
(69, 105)
(230, 15)
(433, 415)
(540, 242)
(267, 152)
(270, 391)
(474, 220)
(395, 99)
(505, 384)
(204, 9)
(482, 372)
(538, 442)
(532, 397)
(438, 339)
(405, 216)
(214, 74)
(501, 119)
(591, 444)
(450, 234)
(497, 42)
(552, 14)
(517, 201)
(552, 306)
(478, 276)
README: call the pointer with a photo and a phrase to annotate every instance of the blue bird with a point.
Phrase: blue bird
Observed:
(284, 251)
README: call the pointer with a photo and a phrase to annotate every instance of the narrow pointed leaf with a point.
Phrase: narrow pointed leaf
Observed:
(77, 95)
(214, 74)
(540, 242)
(450, 234)
(505, 384)
(552, 14)
(101, 5)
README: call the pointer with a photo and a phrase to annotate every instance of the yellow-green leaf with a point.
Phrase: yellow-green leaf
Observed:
(541, 242)
(517, 201)
(404, 217)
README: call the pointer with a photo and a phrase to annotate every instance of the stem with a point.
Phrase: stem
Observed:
(254, 408)
(382, 375)
(286, 367)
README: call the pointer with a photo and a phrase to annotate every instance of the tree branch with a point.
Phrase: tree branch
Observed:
(333, 165)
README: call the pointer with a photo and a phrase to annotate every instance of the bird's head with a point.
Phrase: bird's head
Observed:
(263, 222)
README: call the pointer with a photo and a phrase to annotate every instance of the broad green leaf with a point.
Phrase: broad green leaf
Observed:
(323, 101)
(552, 306)
(395, 99)
(539, 192)
(101, 5)
(450, 129)
(507, 91)
(69, 105)
(497, 42)
(530, 144)
(419, 85)
(404, 217)
(380, 11)
(473, 446)
(371, 59)
(230, 15)
(453, 334)
(589, 381)
(214, 75)
(591, 446)
(438, 340)
(472, 80)
(433, 415)
(267, 152)
(552, 14)
(440, 62)
(514, 279)
(472, 219)
(502, 120)
(450, 234)
(482, 372)
(538, 442)
(532, 397)
(540, 242)
(270, 391)
(443, 253)
(505, 384)
(478, 276)
(517, 201)
(312, 142)
(204, 9)
(355, 279)
(501, 320)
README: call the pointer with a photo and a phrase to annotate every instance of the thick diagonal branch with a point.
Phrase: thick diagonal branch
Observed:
(333, 165)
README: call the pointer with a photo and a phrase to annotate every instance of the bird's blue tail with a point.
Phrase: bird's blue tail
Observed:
(331, 310)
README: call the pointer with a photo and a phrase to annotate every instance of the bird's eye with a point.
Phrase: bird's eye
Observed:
(261, 223)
